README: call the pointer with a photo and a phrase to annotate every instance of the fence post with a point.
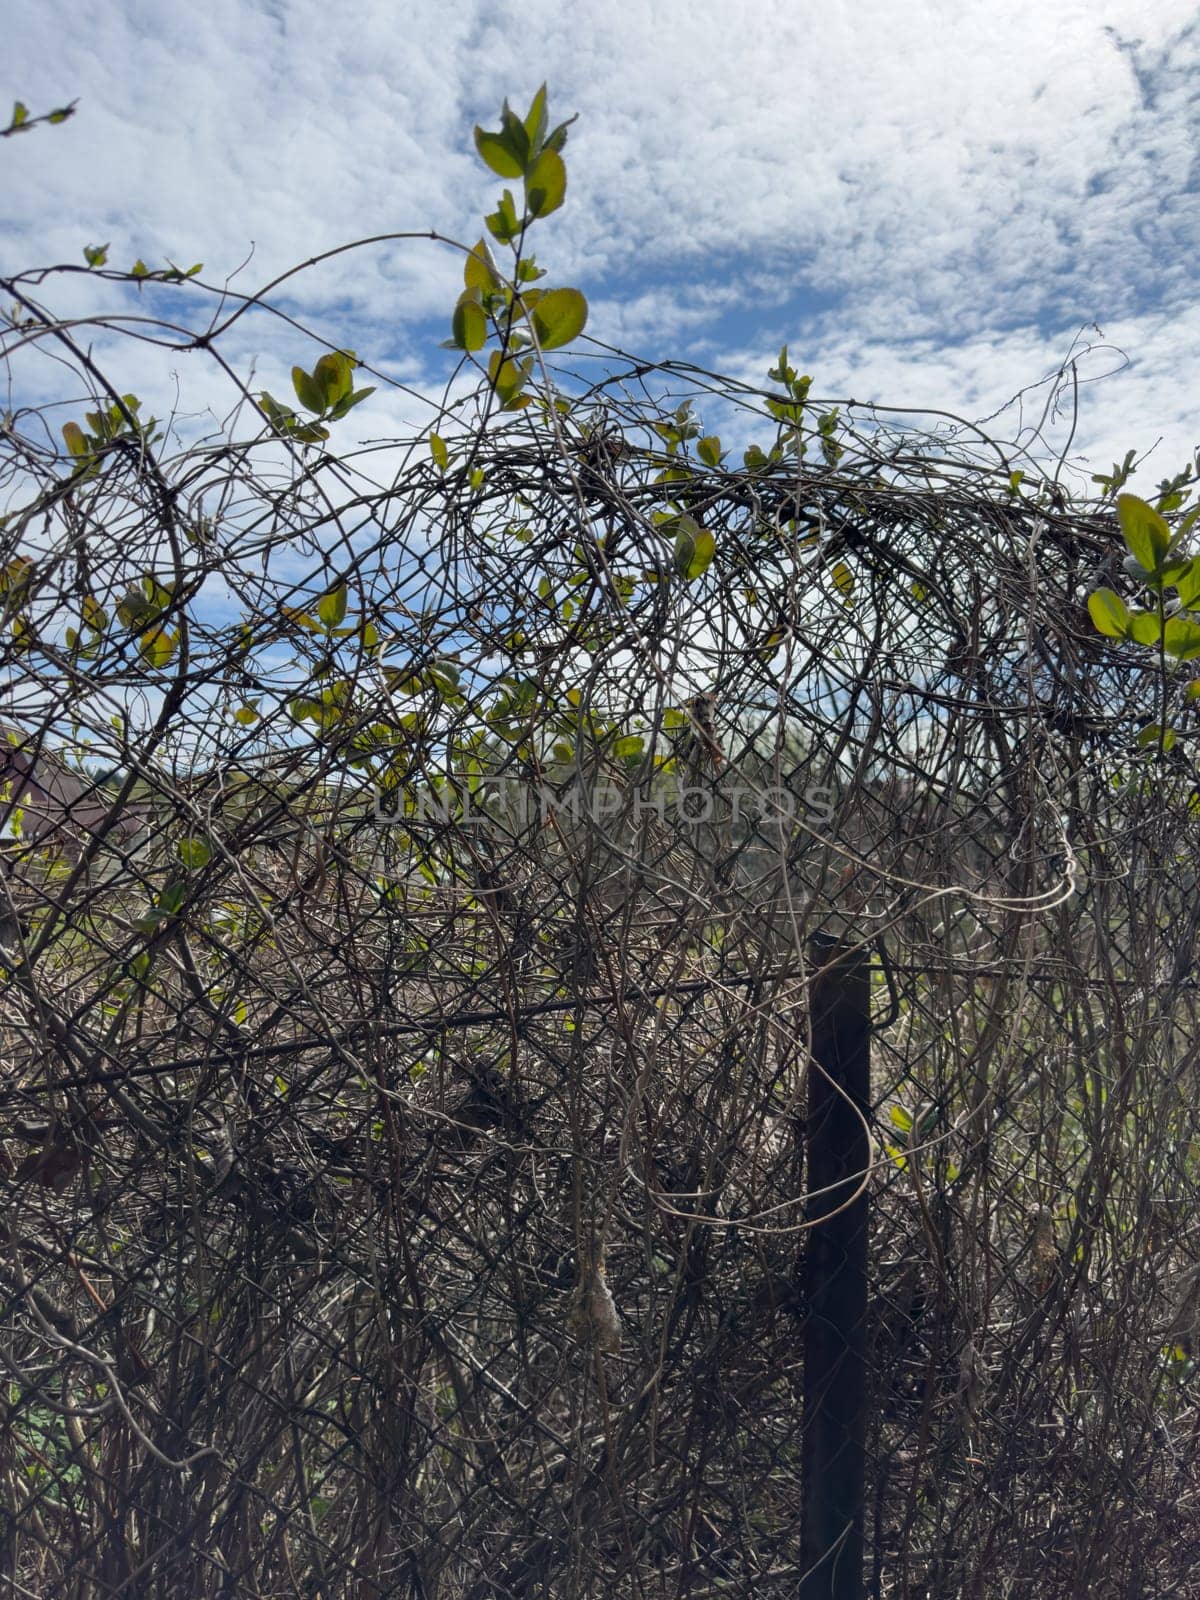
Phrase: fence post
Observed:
(833, 1449)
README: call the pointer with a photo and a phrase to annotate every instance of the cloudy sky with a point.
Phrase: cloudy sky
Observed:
(932, 203)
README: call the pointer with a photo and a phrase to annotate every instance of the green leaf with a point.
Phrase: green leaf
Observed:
(1120, 474)
(496, 152)
(535, 121)
(20, 114)
(558, 317)
(15, 575)
(439, 451)
(1146, 534)
(469, 325)
(139, 269)
(515, 137)
(334, 376)
(61, 114)
(508, 378)
(786, 411)
(1181, 638)
(1154, 734)
(157, 646)
(686, 425)
(311, 433)
(444, 675)
(479, 269)
(843, 579)
(901, 1119)
(694, 549)
(503, 224)
(546, 184)
(287, 422)
(308, 390)
(782, 372)
(630, 746)
(558, 138)
(1187, 584)
(709, 450)
(1186, 526)
(172, 897)
(1168, 574)
(349, 401)
(194, 852)
(95, 254)
(331, 607)
(75, 439)
(134, 610)
(1145, 627)
(246, 716)
(1109, 613)
(159, 595)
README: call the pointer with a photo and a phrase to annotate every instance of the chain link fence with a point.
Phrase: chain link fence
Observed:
(411, 875)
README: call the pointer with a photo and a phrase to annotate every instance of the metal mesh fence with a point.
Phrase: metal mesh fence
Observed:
(411, 874)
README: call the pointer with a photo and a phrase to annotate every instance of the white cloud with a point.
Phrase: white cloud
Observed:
(981, 180)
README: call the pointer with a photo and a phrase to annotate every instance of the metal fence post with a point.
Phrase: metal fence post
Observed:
(835, 1387)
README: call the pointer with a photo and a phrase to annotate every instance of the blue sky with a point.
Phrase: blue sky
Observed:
(927, 201)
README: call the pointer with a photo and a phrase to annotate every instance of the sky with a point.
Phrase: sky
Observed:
(934, 204)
